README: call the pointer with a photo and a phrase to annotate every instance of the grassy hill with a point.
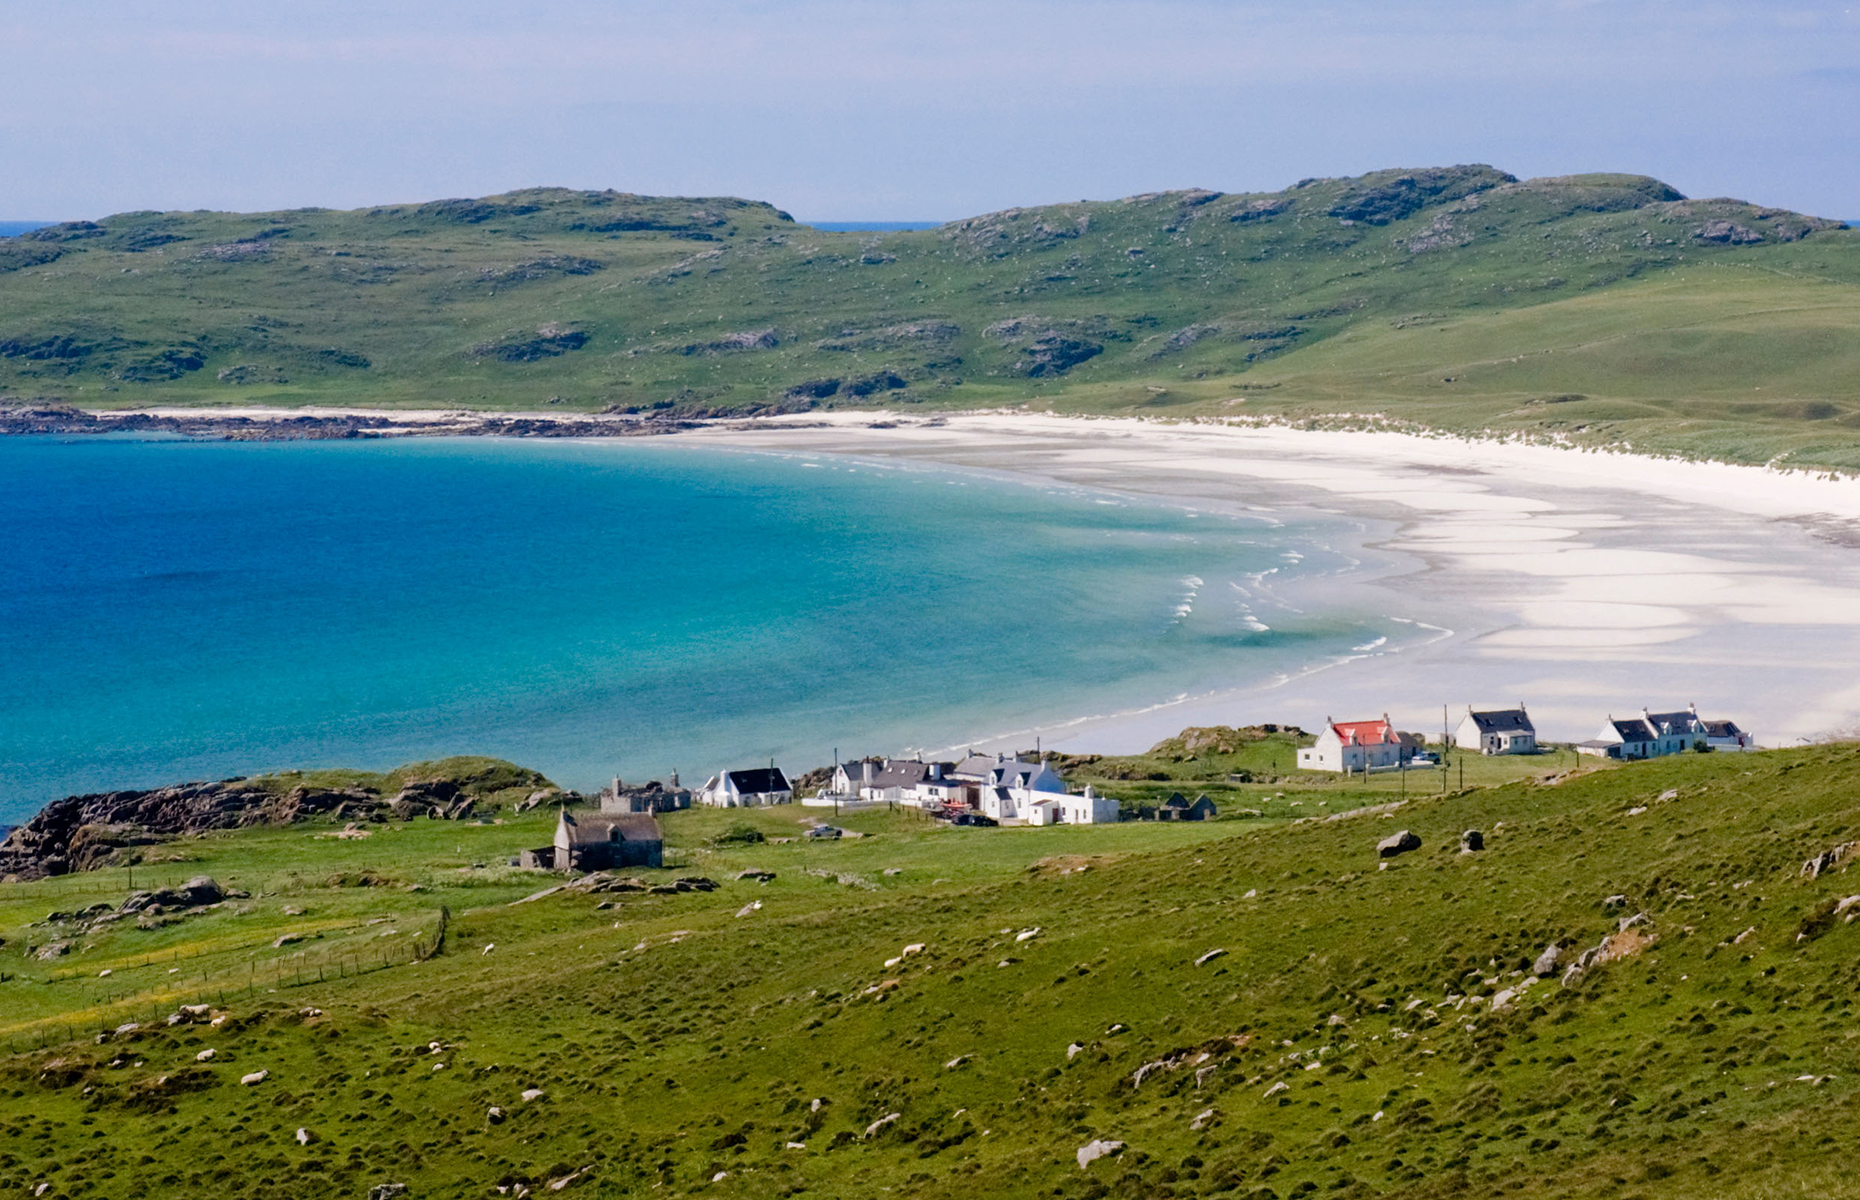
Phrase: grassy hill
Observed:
(1368, 1030)
(1602, 308)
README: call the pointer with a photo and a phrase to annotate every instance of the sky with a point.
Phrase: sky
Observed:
(908, 109)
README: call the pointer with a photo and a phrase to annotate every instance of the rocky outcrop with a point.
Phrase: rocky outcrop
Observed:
(79, 833)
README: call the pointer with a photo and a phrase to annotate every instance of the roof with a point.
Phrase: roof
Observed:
(1364, 733)
(1721, 728)
(1502, 720)
(902, 772)
(759, 780)
(1633, 729)
(602, 827)
(977, 766)
(1677, 722)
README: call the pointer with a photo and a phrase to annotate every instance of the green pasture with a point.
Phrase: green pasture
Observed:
(680, 1042)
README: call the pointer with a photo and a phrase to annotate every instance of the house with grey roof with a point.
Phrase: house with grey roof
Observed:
(1655, 735)
(747, 789)
(601, 841)
(653, 797)
(1497, 731)
(1180, 808)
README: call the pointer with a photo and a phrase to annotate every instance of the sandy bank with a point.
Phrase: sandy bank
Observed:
(1582, 582)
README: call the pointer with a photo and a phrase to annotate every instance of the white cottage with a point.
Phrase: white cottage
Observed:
(746, 789)
(1014, 789)
(1349, 746)
(1497, 731)
(1655, 735)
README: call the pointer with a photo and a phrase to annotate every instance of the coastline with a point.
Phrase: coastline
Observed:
(1584, 582)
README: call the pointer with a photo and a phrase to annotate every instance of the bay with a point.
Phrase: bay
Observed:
(173, 609)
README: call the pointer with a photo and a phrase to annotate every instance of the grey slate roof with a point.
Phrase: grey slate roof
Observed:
(1633, 729)
(759, 781)
(1503, 720)
(1676, 722)
(585, 828)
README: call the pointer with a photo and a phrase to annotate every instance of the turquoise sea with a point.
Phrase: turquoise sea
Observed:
(174, 609)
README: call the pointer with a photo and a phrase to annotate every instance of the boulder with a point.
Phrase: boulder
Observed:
(387, 1191)
(1471, 841)
(880, 1125)
(203, 889)
(305, 1137)
(1096, 1149)
(1396, 844)
(1546, 963)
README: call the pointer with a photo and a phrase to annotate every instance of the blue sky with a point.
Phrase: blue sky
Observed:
(908, 109)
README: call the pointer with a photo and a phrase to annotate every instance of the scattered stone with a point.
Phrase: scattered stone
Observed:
(1828, 859)
(1546, 963)
(955, 1062)
(305, 1137)
(1668, 794)
(796, 1146)
(1637, 810)
(48, 952)
(1209, 957)
(532, 1094)
(890, 871)
(387, 1191)
(1614, 902)
(205, 1055)
(747, 909)
(1203, 1119)
(759, 876)
(1096, 1149)
(494, 1115)
(1073, 1051)
(1027, 934)
(1397, 843)
(1471, 841)
(1639, 918)
(286, 939)
(913, 948)
(1277, 1089)
(255, 1077)
(881, 1123)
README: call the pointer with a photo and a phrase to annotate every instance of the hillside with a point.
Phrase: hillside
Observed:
(1364, 1030)
(1600, 307)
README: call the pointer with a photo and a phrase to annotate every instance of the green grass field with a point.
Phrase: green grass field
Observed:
(1598, 309)
(681, 1042)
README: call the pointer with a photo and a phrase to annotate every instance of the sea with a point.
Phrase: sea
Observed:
(175, 609)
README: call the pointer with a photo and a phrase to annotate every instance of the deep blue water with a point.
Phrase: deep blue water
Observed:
(15, 228)
(180, 610)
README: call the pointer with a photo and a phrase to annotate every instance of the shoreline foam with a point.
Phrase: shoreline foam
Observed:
(1607, 580)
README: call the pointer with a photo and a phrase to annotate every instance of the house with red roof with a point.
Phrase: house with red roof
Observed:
(1348, 746)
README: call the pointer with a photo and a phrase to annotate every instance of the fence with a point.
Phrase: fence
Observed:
(152, 1005)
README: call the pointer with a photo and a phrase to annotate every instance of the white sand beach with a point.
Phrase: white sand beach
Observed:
(1580, 583)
